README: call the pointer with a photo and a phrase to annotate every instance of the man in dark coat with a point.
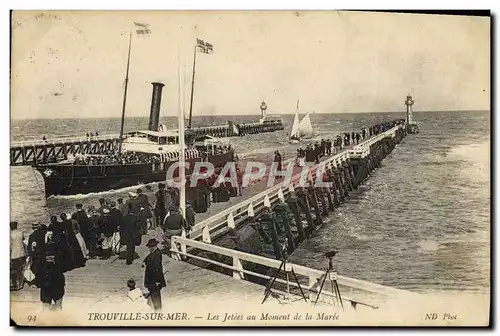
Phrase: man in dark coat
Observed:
(190, 215)
(277, 158)
(61, 242)
(36, 241)
(161, 203)
(154, 280)
(143, 198)
(102, 205)
(122, 207)
(134, 202)
(51, 277)
(83, 220)
(174, 223)
(129, 234)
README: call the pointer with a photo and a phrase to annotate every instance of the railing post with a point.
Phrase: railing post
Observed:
(238, 271)
(206, 235)
(174, 250)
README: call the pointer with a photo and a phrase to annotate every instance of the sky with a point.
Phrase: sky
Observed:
(71, 64)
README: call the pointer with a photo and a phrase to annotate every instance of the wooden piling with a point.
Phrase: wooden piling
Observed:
(292, 202)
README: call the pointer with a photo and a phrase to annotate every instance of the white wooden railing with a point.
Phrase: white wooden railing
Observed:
(207, 229)
(353, 290)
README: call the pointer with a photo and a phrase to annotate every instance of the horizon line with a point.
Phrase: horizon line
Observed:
(237, 115)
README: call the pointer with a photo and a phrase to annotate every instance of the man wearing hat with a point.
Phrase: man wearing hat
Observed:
(163, 200)
(154, 279)
(122, 207)
(102, 205)
(143, 198)
(129, 233)
(36, 241)
(134, 202)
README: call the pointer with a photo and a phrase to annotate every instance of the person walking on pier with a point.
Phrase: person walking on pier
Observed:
(84, 222)
(108, 228)
(154, 280)
(17, 257)
(35, 243)
(116, 216)
(143, 198)
(357, 138)
(277, 158)
(129, 234)
(122, 207)
(103, 205)
(328, 147)
(134, 202)
(163, 200)
(301, 156)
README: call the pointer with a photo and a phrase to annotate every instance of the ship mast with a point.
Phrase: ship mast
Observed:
(125, 96)
(192, 88)
(182, 173)
(206, 48)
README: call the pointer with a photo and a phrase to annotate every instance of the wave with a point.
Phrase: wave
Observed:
(265, 150)
(101, 193)
(477, 152)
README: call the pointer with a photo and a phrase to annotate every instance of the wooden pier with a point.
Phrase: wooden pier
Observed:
(235, 247)
(23, 153)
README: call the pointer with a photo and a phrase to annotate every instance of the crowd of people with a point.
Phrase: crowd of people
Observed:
(68, 242)
(312, 153)
(113, 157)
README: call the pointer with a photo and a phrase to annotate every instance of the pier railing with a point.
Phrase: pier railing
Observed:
(208, 229)
(53, 141)
(357, 292)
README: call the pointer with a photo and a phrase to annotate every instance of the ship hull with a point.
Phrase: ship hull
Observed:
(70, 179)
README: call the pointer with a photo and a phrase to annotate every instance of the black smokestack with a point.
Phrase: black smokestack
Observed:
(154, 115)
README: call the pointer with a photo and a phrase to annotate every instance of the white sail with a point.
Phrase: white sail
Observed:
(294, 133)
(305, 127)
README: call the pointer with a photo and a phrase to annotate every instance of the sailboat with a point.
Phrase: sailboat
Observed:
(305, 127)
(301, 129)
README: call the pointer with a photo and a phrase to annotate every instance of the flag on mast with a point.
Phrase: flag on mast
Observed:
(142, 28)
(204, 47)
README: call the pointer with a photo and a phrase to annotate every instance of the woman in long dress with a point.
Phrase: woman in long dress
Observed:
(77, 242)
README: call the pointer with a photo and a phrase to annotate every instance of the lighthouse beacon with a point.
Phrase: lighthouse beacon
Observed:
(412, 127)
(263, 115)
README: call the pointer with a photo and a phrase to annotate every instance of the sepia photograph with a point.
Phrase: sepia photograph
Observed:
(250, 168)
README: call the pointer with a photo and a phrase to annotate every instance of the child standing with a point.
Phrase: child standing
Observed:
(136, 298)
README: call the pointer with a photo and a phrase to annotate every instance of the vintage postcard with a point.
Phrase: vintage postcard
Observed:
(249, 168)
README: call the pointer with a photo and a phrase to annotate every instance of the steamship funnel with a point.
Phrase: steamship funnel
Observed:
(154, 115)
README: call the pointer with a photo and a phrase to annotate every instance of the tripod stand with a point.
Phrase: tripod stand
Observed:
(333, 281)
(287, 268)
